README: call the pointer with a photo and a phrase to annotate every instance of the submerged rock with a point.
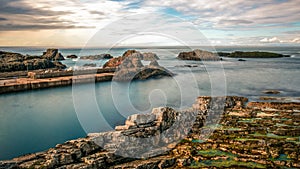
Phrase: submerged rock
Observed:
(72, 56)
(198, 55)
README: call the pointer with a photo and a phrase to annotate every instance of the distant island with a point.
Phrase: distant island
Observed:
(255, 54)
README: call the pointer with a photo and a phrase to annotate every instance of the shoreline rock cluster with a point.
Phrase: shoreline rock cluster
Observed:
(10, 62)
(227, 132)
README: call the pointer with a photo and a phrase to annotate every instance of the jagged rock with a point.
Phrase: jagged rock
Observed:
(115, 62)
(72, 56)
(97, 57)
(198, 55)
(10, 62)
(53, 55)
(130, 67)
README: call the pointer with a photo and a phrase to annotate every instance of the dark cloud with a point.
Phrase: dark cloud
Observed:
(19, 16)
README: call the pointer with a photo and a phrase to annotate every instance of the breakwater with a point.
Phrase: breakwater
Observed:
(41, 80)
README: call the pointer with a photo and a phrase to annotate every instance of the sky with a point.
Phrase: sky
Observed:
(73, 23)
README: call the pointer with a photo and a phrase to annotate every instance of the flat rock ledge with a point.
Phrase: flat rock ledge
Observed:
(216, 132)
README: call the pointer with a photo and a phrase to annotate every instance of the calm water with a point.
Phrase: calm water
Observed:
(36, 120)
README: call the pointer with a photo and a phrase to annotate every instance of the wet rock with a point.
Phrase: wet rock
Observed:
(242, 60)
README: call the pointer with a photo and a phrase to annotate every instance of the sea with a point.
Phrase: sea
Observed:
(34, 121)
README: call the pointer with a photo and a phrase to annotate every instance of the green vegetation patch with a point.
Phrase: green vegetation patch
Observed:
(215, 153)
(226, 163)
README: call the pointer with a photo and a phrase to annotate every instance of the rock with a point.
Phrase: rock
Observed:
(115, 62)
(234, 141)
(10, 62)
(130, 52)
(90, 65)
(72, 56)
(271, 92)
(149, 56)
(129, 67)
(53, 55)
(97, 57)
(198, 55)
(154, 63)
(242, 60)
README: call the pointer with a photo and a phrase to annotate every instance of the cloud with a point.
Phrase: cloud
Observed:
(270, 40)
(224, 14)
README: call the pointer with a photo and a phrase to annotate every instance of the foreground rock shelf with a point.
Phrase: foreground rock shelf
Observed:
(225, 133)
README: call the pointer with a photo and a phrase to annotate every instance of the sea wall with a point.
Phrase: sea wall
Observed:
(23, 84)
(63, 73)
(243, 137)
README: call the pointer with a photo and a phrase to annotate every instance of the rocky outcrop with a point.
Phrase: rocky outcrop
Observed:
(53, 55)
(133, 69)
(115, 62)
(72, 56)
(256, 54)
(198, 55)
(97, 57)
(129, 67)
(218, 132)
(10, 62)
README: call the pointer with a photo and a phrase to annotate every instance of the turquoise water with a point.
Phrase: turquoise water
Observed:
(34, 121)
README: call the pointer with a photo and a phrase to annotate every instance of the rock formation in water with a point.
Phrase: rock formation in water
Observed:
(198, 55)
(130, 67)
(217, 132)
(72, 56)
(115, 62)
(52, 55)
(255, 54)
(10, 62)
(97, 57)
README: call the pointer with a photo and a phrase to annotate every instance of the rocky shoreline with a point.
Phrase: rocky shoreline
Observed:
(226, 132)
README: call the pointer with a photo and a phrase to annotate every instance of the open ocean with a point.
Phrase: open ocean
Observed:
(34, 121)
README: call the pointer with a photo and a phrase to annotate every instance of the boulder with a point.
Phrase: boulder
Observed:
(72, 56)
(198, 55)
(53, 55)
